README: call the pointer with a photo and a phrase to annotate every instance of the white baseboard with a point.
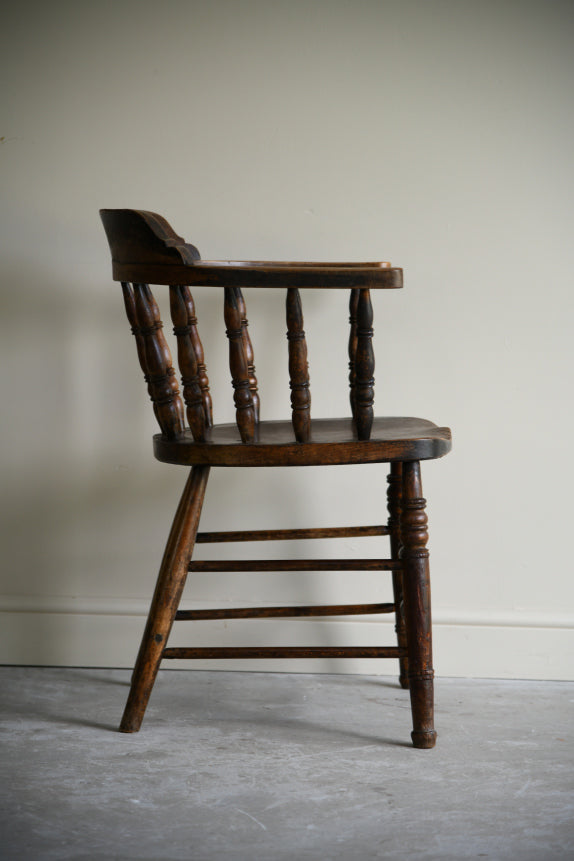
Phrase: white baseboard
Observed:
(106, 633)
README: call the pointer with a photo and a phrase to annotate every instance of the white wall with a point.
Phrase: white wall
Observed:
(434, 134)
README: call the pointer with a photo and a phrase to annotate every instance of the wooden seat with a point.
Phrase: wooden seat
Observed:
(331, 441)
(145, 250)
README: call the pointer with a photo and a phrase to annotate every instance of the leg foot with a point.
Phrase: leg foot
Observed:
(424, 740)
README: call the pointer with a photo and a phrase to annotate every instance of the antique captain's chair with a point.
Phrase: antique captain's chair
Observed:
(145, 250)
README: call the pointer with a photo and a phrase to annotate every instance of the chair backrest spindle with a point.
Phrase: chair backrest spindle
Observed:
(182, 313)
(199, 355)
(155, 358)
(145, 249)
(249, 355)
(364, 366)
(353, 303)
(243, 398)
(298, 367)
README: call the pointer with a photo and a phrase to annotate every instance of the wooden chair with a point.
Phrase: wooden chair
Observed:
(146, 250)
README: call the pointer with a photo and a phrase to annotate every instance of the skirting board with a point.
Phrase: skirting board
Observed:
(106, 633)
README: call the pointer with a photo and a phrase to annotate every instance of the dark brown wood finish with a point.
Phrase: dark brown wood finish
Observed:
(284, 612)
(182, 312)
(291, 534)
(155, 358)
(145, 250)
(249, 355)
(213, 565)
(198, 350)
(394, 496)
(168, 591)
(245, 411)
(333, 441)
(416, 598)
(353, 305)
(364, 367)
(250, 652)
(298, 368)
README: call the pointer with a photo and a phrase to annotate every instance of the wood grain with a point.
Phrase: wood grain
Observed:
(155, 358)
(187, 360)
(167, 595)
(308, 652)
(291, 534)
(298, 367)
(284, 612)
(249, 354)
(364, 367)
(245, 412)
(333, 441)
(417, 608)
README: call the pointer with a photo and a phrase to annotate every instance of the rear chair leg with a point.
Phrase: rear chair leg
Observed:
(416, 598)
(167, 595)
(394, 494)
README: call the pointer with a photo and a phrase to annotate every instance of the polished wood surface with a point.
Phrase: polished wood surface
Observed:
(353, 306)
(238, 364)
(146, 250)
(364, 381)
(298, 367)
(394, 498)
(155, 358)
(182, 313)
(213, 565)
(284, 612)
(167, 595)
(332, 441)
(417, 609)
(292, 534)
(249, 354)
(255, 652)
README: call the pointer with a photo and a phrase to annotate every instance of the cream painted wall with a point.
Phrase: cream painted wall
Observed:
(435, 134)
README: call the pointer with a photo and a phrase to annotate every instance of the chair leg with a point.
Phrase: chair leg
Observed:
(394, 494)
(167, 595)
(416, 597)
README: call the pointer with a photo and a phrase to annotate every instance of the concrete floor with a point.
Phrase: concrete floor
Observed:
(249, 766)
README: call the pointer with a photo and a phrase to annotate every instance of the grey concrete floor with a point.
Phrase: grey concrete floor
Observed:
(250, 766)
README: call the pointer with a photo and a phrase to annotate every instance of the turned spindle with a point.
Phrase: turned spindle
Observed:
(155, 358)
(298, 367)
(353, 303)
(249, 355)
(198, 350)
(364, 367)
(181, 306)
(245, 413)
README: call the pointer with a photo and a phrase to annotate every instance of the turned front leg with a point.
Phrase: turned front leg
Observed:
(417, 609)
